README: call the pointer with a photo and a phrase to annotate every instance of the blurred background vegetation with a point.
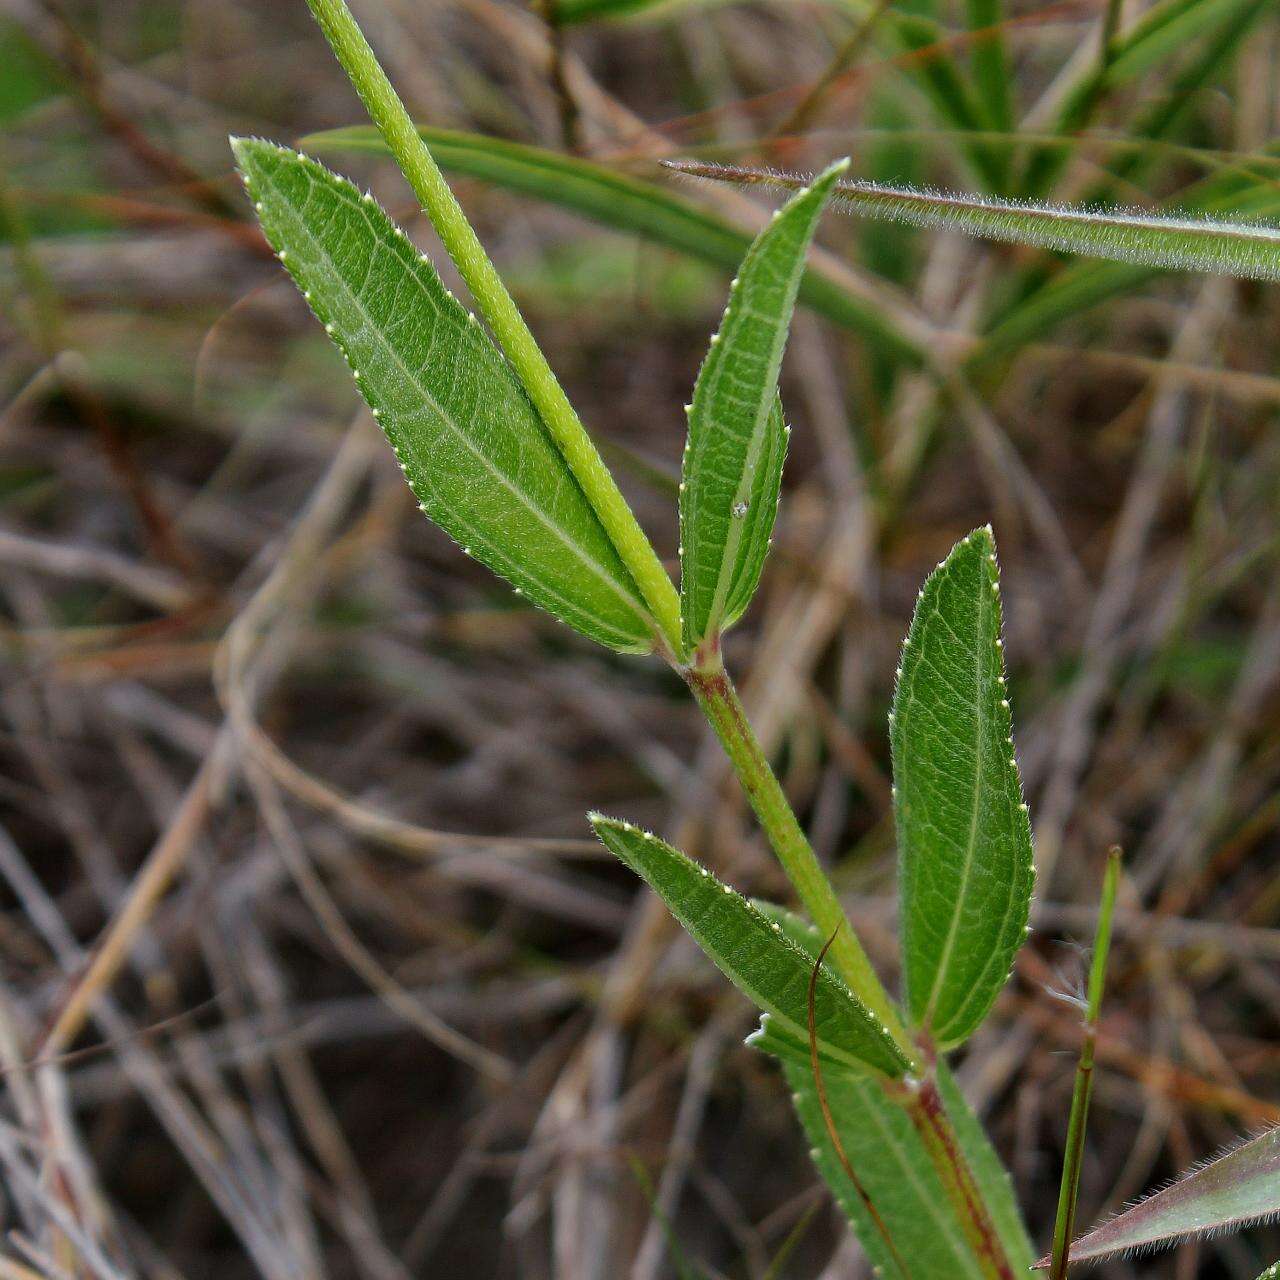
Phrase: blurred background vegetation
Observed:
(387, 1011)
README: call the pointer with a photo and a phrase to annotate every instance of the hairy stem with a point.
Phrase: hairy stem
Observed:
(501, 313)
(1064, 1225)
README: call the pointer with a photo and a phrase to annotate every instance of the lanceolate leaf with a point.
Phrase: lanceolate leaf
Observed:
(737, 441)
(992, 1179)
(989, 1173)
(753, 952)
(964, 836)
(1238, 1188)
(469, 442)
(1156, 240)
(894, 1169)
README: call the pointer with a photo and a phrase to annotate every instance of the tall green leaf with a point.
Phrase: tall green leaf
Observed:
(754, 953)
(1238, 1188)
(991, 71)
(890, 1160)
(1163, 31)
(1154, 240)
(964, 836)
(737, 441)
(989, 1174)
(468, 440)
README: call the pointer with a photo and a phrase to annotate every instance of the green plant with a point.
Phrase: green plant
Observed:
(497, 456)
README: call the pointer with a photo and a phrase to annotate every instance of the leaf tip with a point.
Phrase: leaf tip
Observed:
(247, 148)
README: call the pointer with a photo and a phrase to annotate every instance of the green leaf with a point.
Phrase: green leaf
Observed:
(624, 204)
(964, 837)
(753, 952)
(572, 12)
(737, 441)
(1154, 240)
(469, 442)
(1163, 32)
(30, 75)
(989, 1174)
(1236, 1189)
(895, 1170)
(1271, 1273)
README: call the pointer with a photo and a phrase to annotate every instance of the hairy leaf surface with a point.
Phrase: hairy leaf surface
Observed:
(964, 836)
(1239, 1187)
(895, 1170)
(989, 1173)
(468, 439)
(737, 441)
(753, 952)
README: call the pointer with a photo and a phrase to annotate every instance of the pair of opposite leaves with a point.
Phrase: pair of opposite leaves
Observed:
(471, 444)
(484, 468)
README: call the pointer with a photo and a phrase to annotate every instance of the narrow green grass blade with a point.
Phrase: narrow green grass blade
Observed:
(1087, 284)
(1164, 31)
(737, 442)
(1236, 1189)
(754, 954)
(469, 442)
(574, 12)
(991, 70)
(623, 204)
(894, 1168)
(1154, 240)
(1082, 1091)
(964, 837)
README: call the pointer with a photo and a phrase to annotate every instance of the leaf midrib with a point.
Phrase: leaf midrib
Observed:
(729, 567)
(953, 930)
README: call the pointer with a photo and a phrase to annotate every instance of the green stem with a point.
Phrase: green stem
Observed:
(1068, 1194)
(720, 703)
(719, 700)
(501, 313)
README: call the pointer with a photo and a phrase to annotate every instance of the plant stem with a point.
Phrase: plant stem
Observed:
(1068, 1194)
(719, 700)
(501, 313)
(720, 703)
